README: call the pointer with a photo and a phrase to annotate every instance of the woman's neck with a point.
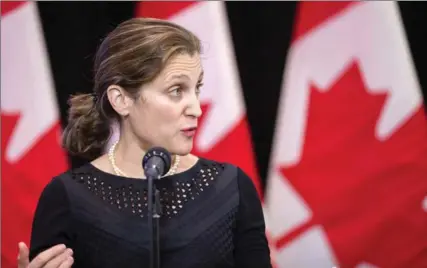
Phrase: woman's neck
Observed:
(128, 158)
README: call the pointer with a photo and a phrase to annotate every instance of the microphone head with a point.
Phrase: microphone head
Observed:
(157, 156)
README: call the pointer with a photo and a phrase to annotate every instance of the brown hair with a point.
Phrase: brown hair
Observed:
(133, 54)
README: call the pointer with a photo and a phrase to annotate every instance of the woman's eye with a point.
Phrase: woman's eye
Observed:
(176, 91)
(198, 88)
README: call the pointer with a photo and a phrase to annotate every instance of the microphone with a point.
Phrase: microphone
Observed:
(156, 162)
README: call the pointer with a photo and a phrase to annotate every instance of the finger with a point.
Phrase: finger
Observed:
(67, 263)
(56, 261)
(46, 256)
(23, 255)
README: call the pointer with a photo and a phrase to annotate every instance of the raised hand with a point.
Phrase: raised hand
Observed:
(55, 257)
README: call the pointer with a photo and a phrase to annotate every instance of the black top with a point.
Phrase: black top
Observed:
(212, 217)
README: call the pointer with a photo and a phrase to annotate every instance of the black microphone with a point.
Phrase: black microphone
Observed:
(156, 162)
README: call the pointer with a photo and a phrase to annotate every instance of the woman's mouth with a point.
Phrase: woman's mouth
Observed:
(189, 132)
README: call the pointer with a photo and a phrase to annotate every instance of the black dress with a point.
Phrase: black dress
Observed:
(212, 217)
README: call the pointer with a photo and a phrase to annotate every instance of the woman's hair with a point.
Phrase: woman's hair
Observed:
(132, 55)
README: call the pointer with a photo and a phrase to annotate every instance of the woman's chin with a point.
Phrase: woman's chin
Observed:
(182, 149)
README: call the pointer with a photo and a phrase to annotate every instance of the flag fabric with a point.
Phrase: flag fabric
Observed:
(223, 133)
(30, 128)
(347, 184)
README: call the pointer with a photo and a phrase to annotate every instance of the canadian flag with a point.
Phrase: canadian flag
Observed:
(348, 180)
(223, 133)
(30, 128)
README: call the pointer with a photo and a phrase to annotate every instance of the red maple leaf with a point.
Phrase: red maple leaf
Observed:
(235, 147)
(22, 183)
(366, 193)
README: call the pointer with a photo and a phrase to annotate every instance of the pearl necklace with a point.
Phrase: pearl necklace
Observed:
(118, 172)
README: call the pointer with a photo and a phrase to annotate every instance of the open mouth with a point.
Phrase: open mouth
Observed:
(189, 132)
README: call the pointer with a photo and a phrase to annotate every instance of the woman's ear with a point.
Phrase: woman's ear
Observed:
(119, 100)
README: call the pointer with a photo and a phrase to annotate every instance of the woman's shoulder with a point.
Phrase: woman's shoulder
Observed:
(227, 170)
(237, 170)
(71, 172)
(61, 181)
(56, 190)
(206, 162)
(233, 177)
(215, 167)
(234, 172)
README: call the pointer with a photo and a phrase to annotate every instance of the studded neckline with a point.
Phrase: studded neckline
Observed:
(130, 194)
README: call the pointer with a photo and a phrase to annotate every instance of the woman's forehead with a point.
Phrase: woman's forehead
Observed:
(183, 66)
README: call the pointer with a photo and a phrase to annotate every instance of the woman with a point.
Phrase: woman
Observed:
(148, 76)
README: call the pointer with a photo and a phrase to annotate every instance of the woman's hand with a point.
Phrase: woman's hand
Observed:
(55, 257)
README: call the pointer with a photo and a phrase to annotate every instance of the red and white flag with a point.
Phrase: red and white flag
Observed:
(223, 133)
(348, 180)
(30, 130)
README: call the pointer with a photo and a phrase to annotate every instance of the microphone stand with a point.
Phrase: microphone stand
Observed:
(154, 211)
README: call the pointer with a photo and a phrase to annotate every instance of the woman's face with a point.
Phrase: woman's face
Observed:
(167, 111)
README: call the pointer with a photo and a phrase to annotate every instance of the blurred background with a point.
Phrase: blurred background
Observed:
(321, 103)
